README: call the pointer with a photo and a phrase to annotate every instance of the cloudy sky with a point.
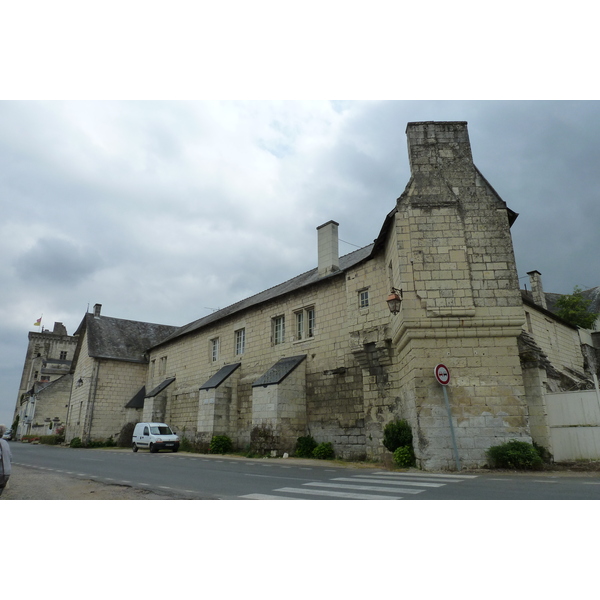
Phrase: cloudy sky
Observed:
(163, 211)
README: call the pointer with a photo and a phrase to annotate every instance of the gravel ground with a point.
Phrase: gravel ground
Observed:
(34, 484)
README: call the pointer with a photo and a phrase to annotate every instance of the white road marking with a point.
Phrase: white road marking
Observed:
(368, 488)
(434, 475)
(397, 482)
(330, 493)
(267, 497)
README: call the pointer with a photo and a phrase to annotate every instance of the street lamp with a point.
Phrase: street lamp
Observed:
(394, 301)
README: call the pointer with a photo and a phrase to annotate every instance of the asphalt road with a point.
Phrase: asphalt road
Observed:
(193, 476)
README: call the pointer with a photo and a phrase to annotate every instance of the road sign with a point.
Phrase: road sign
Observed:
(442, 374)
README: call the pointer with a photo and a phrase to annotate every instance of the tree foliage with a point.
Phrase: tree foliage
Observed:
(574, 308)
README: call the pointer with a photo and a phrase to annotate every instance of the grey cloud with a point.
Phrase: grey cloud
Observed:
(57, 262)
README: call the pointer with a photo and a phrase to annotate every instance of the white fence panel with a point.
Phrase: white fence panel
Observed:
(574, 421)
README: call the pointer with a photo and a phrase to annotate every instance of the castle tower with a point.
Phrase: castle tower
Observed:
(461, 307)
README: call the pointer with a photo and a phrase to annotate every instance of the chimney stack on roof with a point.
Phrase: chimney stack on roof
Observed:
(97, 309)
(535, 279)
(436, 145)
(328, 247)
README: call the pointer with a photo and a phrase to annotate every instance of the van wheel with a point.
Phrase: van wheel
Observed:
(153, 448)
(134, 447)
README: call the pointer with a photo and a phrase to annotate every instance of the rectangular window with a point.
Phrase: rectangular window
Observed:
(305, 323)
(214, 349)
(300, 325)
(240, 341)
(528, 318)
(278, 325)
(152, 367)
(162, 367)
(363, 298)
(63, 355)
(310, 322)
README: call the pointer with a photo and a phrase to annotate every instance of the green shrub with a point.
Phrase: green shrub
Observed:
(96, 444)
(220, 444)
(404, 457)
(76, 443)
(324, 451)
(305, 446)
(514, 455)
(397, 434)
(49, 440)
(110, 442)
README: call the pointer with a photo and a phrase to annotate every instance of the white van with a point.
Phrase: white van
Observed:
(155, 437)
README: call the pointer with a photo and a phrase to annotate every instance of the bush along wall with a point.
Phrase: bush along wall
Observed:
(305, 446)
(398, 439)
(515, 455)
(324, 451)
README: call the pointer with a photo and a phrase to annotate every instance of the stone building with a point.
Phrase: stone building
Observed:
(109, 372)
(555, 356)
(44, 389)
(322, 354)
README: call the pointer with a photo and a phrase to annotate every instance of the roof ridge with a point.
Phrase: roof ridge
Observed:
(250, 301)
(129, 320)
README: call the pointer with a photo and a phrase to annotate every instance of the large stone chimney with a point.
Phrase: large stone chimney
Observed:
(537, 291)
(97, 309)
(329, 260)
(432, 145)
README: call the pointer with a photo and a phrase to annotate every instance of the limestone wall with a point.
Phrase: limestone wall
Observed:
(559, 342)
(51, 407)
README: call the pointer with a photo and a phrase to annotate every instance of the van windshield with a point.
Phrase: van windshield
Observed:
(164, 430)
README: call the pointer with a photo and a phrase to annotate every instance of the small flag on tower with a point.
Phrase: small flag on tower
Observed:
(38, 322)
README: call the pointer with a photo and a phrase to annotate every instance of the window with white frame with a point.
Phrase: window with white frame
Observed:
(214, 349)
(278, 329)
(363, 298)
(305, 323)
(240, 341)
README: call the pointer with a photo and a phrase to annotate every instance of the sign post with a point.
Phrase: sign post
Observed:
(442, 375)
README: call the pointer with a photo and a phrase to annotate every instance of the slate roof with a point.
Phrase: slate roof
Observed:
(120, 339)
(138, 400)
(292, 285)
(160, 387)
(279, 371)
(220, 376)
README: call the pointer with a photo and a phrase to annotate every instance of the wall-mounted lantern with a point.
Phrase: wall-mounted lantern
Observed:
(81, 381)
(394, 301)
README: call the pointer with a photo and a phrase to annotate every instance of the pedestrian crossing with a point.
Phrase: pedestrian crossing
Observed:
(381, 485)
